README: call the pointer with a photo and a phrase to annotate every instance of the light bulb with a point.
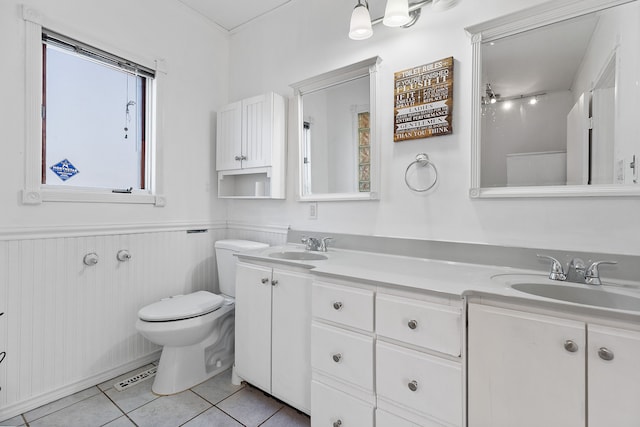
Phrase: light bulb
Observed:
(360, 28)
(396, 14)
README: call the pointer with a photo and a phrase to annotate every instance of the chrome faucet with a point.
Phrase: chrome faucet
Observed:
(577, 271)
(316, 244)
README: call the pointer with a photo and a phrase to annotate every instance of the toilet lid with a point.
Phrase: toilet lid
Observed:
(181, 307)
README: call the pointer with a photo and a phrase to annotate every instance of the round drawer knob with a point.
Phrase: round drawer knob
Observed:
(265, 280)
(337, 305)
(605, 353)
(274, 282)
(413, 324)
(337, 357)
(570, 346)
(413, 385)
(337, 423)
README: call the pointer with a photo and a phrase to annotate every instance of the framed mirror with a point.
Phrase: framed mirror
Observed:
(555, 101)
(337, 134)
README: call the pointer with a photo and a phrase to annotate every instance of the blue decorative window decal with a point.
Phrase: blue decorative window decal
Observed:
(64, 169)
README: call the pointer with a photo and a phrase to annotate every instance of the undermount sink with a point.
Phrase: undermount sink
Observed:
(596, 296)
(298, 256)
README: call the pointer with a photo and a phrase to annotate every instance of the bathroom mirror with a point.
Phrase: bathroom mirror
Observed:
(337, 138)
(555, 101)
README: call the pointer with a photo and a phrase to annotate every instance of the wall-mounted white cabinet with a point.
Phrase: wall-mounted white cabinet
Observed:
(530, 369)
(272, 331)
(251, 148)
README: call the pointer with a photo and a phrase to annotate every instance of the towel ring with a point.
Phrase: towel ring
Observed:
(422, 159)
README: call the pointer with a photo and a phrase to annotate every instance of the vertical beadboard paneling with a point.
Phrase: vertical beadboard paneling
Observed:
(266, 235)
(67, 323)
(4, 329)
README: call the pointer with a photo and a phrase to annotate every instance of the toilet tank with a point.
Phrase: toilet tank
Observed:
(227, 262)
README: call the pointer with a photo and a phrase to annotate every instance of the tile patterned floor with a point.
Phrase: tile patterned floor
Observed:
(215, 403)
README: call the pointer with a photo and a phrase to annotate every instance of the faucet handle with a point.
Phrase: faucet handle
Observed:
(592, 275)
(557, 272)
(324, 243)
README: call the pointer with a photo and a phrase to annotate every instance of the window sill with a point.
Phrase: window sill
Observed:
(89, 196)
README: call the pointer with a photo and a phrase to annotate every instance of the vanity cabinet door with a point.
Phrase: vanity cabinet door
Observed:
(613, 377)
(290, 338)
(253, 325)
(524, 369)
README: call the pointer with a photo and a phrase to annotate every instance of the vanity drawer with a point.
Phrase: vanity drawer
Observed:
(345, 355)
(330, 407)
(424, 383)
(430, 325)
(344, 305)
(386, 419)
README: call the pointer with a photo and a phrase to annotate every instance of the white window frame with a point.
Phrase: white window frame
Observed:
(34, 192)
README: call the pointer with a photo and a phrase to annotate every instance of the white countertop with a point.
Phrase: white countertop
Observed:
(437, 276)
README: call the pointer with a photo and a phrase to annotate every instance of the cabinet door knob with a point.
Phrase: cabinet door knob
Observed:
(265, 280)
(605, 353)
(413, 385)
(337, 357)
(337, 305)
(337, 423)
(238, 158)
(570, 346)
(274, 282)
(412, 324)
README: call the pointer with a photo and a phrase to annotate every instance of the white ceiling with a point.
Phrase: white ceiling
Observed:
(230, 14)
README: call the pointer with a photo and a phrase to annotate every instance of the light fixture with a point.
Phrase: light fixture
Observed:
(490, 96)
(360, 28)
(398, 13)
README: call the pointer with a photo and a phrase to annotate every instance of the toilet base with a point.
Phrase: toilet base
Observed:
(181, 368)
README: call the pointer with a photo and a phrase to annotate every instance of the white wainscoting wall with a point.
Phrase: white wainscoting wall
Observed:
(68, 326)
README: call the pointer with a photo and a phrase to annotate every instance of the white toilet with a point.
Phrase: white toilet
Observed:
(196, 330)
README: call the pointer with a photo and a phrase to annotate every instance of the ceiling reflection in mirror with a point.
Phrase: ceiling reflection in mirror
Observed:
(558, 103)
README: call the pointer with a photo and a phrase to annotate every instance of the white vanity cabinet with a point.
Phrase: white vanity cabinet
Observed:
(272, 331)
(250, 147)
(533, 369)
(385, 355)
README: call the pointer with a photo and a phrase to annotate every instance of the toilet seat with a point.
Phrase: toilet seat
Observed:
(180, 307)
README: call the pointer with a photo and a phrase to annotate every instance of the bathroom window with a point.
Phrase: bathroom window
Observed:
(91, 130)
(94, 117)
